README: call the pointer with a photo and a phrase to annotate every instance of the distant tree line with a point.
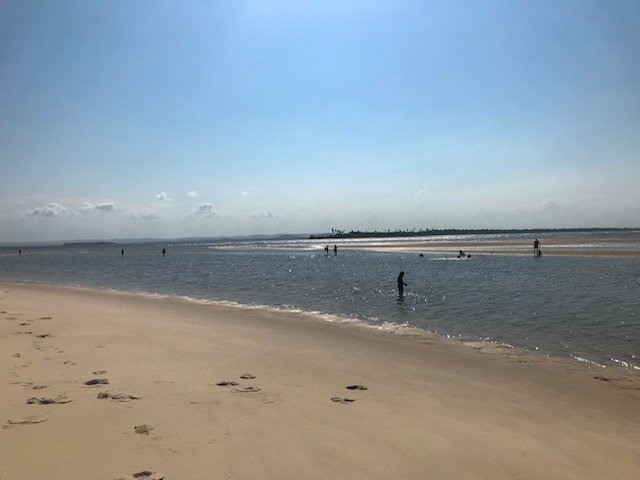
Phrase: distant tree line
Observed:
(336, 233)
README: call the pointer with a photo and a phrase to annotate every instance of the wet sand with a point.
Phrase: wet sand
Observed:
(107, 385)
(604, 247)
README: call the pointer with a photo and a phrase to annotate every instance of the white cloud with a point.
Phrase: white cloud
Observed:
(163, 197)
(146, 216)
(244, 193)
(99, 207)
(50, 210)
(192, 193)
(422, 194)
(261, 215)
(205, 209)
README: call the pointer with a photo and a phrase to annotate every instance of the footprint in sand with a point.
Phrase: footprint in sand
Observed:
(212, 402)
(16, 355)
(99, 372)
(143, 475)
(22, 384)
(342, 400)
(30, 420)
(226, 383)
(44, 335)
(247, 389)
(97, 381)
(40, 387)
(247, 376)
(69, 362)
(60, 399)
(118, 397)
(44, 318)
(147, 475)
(143, 429)
(356, 387)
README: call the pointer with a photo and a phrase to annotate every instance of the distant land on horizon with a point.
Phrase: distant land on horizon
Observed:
(337, 234)
(85, 244)
(130, 241)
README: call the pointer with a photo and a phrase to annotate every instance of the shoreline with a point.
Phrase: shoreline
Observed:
(486, 346)
(572, 246)
(432, 408)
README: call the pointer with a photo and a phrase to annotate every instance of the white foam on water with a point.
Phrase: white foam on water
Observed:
(587, 361)
(580, 304)
(624, 364)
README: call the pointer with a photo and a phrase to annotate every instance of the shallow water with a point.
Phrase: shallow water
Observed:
(584, 307)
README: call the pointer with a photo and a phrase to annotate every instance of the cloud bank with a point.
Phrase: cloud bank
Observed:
(163, 197)
(50, 210)
(97, 207)
(206, 210)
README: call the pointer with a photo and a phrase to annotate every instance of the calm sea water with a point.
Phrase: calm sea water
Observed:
(584, 307)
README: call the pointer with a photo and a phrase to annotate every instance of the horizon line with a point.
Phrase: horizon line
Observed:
(306, 236)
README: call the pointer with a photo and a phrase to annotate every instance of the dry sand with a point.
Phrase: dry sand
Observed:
(432, 409)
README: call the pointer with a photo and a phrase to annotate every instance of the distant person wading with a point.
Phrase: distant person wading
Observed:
(401, 285)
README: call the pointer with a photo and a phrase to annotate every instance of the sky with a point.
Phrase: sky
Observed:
(138, 119)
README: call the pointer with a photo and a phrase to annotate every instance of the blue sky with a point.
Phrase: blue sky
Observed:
(152, 118)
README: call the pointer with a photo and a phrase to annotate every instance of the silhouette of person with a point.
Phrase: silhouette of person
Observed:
(401, 285)
(326, 250)
(461, 254)
(536, 246)
(335, 249)
(122, 252)
(20, 251)
(163, 251)
(421, 255)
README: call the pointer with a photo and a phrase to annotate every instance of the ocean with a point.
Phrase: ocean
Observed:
(584, 307)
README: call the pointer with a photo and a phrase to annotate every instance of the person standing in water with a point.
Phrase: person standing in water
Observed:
(401, 285)
(163, 251)
(335, 250)
(122, 252)
(536, 246)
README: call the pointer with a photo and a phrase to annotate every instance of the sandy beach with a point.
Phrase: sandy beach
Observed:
(209, 392)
